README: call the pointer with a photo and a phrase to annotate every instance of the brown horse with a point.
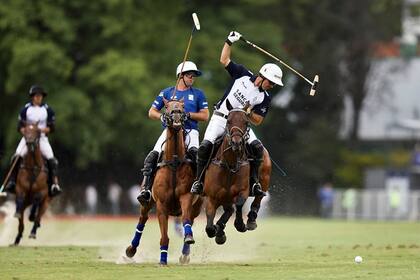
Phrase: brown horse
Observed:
(171, 187)
(227, 179)
(31, 184)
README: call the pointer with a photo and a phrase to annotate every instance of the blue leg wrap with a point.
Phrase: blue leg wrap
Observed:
(186, 249)
(137, 236)
(187, 228)
(163, 254)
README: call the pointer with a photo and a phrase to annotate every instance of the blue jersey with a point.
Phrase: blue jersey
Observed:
(194, 101)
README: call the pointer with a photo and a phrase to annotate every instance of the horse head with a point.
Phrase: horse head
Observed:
(174, 113)
(237, 129)
(31, 134)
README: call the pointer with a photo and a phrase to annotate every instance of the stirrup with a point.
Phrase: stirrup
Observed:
(197, 187)
(55, 190)
(256, 190)
(144, 197)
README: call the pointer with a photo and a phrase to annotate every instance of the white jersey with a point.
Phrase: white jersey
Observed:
(243, 90)
(43, 115)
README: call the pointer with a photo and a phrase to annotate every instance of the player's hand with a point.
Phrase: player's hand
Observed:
(164, 118)
(187, 116)
(233, 37)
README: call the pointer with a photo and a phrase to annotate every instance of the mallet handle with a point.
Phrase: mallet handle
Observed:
(278, 59)
(8, 174)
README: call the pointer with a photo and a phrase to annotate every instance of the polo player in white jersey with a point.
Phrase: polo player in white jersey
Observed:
(244, 88)
(37, 112)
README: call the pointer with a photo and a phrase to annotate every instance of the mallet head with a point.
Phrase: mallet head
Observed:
(196, 21)
(314, 86)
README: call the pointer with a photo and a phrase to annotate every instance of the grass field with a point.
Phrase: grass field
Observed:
(280, 248)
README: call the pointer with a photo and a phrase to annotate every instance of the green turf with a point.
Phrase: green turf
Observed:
(280, 248)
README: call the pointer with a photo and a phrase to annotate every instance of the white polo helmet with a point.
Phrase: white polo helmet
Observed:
(188, 66)
(272, 72)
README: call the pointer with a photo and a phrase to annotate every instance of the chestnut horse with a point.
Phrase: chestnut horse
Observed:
(171, 187)
(32, 183)
(227, 178)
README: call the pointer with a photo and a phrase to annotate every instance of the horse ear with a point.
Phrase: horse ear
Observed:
(182, 100)
(165, 101)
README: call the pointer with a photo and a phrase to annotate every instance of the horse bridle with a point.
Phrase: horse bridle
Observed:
(33, 143)
(235, 130)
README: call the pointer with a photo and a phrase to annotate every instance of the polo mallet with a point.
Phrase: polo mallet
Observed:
(195, 27)
(2, 193)
(316, 78)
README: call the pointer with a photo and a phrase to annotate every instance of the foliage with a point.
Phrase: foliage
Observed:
(352, 165)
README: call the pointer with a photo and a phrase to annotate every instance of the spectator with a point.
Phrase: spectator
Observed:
(349, 203)
(326, 198)
(114, 195)
(91, 196)
(132, 195)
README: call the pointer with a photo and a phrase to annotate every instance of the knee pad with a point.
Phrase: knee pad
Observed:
(257, 149)
(53, 162)
(192, 153)
(205, 149)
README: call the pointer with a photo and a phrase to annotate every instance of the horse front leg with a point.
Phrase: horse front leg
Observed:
(211, 229)
(42, 208)
(164, 239)
(33, 214)
(251, 223)
(20, 207)
(186, 204)
(131, 250)
(239, 222)
(221, 224)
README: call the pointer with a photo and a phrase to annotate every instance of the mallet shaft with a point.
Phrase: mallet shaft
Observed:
(277, 59)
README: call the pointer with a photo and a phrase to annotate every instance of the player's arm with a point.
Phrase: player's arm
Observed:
(154, 113)
(255, 119)
(201, 116)
(225, 55)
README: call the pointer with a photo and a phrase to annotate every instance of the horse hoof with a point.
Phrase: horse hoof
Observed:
(211, 231)
(251, 225)
(184, 259)
(32, 236)
(221, 239)
(189, 239)
(240, 226)
(130, 251)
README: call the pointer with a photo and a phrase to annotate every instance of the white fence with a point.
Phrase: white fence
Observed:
(376, 205)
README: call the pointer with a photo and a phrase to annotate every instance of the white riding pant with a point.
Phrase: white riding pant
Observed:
(44, 145)
(216, 128)
(191, 140)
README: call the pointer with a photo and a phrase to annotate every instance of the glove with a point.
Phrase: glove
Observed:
(163, 118)
(233, 37)
(187, 116)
